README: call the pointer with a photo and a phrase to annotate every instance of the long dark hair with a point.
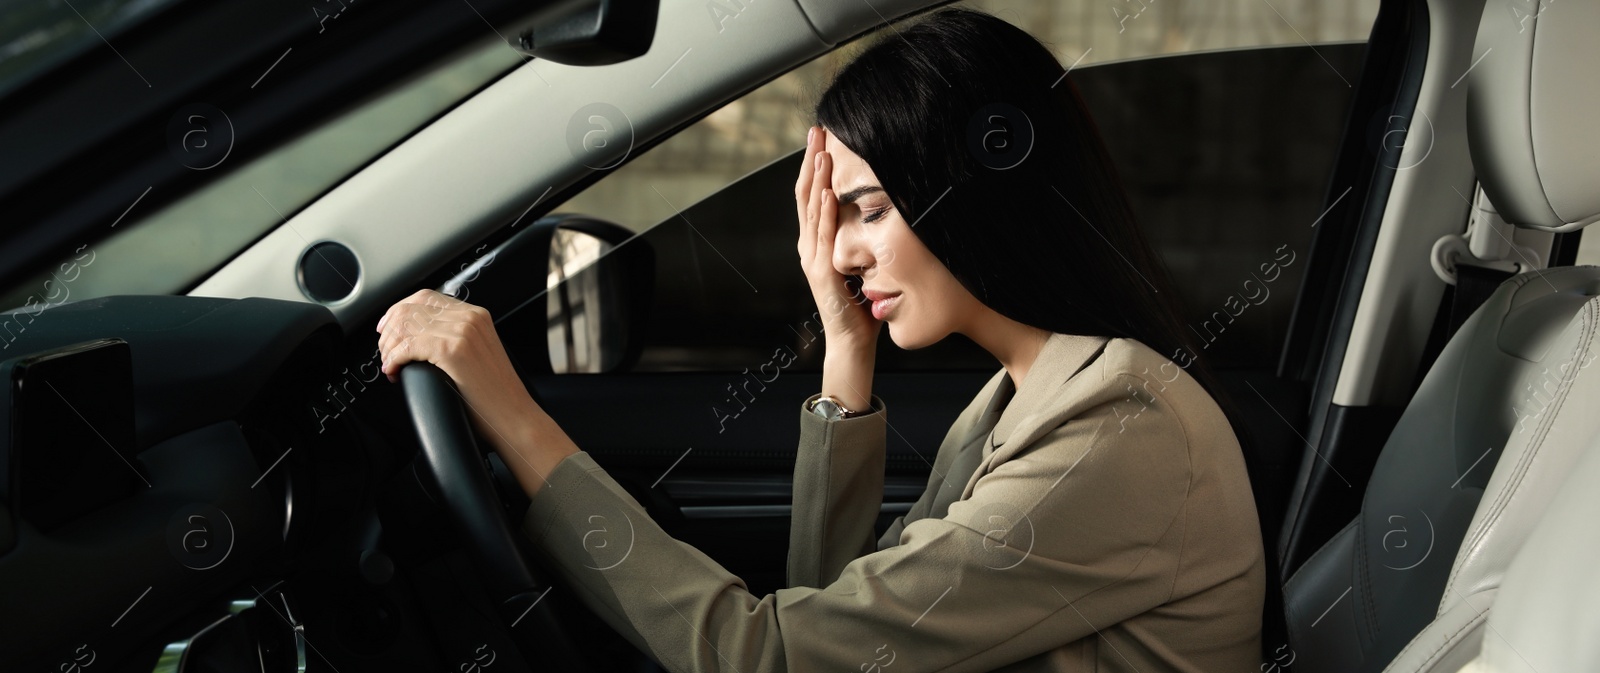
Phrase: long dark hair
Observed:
(982, 142)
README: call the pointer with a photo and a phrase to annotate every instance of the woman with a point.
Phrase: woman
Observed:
(1089, 510)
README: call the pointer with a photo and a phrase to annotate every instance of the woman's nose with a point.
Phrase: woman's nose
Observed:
(851, 253)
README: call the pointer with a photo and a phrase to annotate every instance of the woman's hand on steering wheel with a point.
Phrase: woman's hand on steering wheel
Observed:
(460, 339)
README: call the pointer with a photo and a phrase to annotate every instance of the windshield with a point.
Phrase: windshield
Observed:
(36, 35)
(170, 249)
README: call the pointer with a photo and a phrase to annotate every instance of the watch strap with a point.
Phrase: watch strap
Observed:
(844, 412)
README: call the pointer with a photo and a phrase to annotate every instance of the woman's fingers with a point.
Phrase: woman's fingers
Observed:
(816, 178)
(413, 298)
(406, 319)
(433, 343)
(437, 299)
(827, 228)
(822, 176)
(417, 328)
(802, 184)
(802, 189)
(822, 184)
(402, 325)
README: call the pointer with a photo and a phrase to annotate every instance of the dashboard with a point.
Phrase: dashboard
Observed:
(144, 467)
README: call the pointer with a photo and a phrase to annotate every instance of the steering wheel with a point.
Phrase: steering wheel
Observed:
(468, 495)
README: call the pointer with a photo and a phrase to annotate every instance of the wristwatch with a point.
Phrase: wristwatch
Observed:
(828, 406)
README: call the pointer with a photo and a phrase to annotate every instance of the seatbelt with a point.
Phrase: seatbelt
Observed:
(1473, 286)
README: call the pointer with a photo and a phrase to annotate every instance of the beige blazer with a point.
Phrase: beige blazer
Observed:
(1097, 519)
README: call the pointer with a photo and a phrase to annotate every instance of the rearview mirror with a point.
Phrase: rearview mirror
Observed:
(589, 32)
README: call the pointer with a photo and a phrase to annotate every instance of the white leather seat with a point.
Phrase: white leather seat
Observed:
(1531, 147)
(1546, 618)
(1512, 395)
(1557, 424)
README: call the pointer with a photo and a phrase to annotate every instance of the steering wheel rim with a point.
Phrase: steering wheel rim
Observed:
(451, 452)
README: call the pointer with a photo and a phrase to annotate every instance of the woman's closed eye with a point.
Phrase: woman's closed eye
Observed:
(870, 216)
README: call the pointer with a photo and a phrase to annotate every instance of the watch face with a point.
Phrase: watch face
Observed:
(828, 408)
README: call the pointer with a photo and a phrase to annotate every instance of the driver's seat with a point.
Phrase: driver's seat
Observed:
(1364, 595)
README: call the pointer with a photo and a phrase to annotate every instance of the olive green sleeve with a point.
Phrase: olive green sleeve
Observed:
(838, 491)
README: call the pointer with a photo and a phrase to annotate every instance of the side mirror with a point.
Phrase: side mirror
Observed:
(589, 32)
(569, 294)
(587, 325)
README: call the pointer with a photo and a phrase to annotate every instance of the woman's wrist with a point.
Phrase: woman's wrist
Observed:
(847, 376)
(536, 446)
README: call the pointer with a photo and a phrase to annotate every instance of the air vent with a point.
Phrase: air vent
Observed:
(328, 272)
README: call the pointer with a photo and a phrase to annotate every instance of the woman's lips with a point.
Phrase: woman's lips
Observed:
(882, 307)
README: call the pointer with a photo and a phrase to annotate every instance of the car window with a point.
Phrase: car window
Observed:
(769, 122)
(1225, 153)
(1086, 32)
(170, 249)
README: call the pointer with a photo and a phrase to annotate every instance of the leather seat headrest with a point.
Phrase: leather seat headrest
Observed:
(1533, 112)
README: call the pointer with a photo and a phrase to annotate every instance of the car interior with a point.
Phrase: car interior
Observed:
(1375, 213)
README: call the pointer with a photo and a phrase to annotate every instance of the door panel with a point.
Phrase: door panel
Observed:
(727, 493)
